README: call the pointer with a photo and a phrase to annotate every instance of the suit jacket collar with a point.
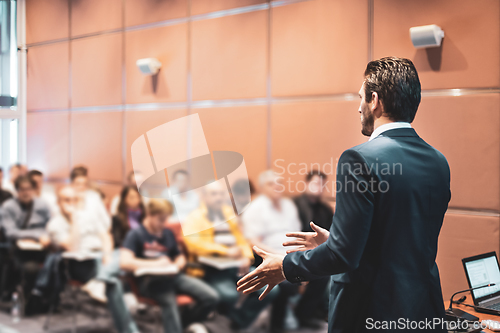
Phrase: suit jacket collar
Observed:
(400, 132)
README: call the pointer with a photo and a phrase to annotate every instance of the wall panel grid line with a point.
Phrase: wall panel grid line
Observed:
(199, 17)
(454, 92)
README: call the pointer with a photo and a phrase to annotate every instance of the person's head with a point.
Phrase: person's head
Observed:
(130, 198)
(269, 184)
(157, 213)
(239, 190)
(25, 188)
(134, 177)
(37, 177)
(15, 171)
(315, 181)
(67, 200)
(79, 177)
(214, 196)
(180, 179)
(391, 89)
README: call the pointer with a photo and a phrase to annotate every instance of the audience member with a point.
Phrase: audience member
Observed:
(153, 246)
(42, 192)
(132, 179)
(15, 171)
(4, 194)
(26, 216)
(212, 230)
(92, 201)
(186, 200)
(241, 196)
(312, 208)
(130, 214)
(23, 220)
(75, 230)
(266, 222)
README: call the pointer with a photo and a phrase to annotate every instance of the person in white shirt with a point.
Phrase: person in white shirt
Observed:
(266, 221)
(91, 200)
(75, 230)
(270, 216)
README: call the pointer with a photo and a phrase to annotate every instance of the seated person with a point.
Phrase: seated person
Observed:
(153, 246)
(211, 231)
(25, 217)
(92, 202)
(75, 230)
(132, 178)
(313, 208)
(130, 213)
(43, 192)
(266, 221)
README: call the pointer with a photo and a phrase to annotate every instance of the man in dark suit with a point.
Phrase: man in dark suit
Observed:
(392, 194)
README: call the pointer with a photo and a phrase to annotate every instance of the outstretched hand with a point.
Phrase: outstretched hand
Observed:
(269, 273)
(307, 240)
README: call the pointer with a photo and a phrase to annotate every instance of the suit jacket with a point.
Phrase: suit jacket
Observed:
(392, 194)
(322, 217)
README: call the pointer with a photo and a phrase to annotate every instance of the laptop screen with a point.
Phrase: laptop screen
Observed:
(483, 271)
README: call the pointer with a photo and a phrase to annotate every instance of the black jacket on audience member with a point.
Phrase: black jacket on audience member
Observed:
(319, 212)
(383, 240)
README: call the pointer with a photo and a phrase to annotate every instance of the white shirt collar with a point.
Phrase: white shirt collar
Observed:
(389, 126)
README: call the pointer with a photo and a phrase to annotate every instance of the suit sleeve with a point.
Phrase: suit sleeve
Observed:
(350, 227)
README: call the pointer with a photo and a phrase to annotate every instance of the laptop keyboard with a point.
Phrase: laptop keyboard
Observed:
(494, 306)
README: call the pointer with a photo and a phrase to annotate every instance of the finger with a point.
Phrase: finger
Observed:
(302, 248)
(255, 287)
(298, 234)
(315, 227)
(260, 252)
(266, 291)
(250, 276)
(294, 243)
(249, 283)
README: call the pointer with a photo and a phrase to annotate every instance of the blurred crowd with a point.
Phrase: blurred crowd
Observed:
(184, 258)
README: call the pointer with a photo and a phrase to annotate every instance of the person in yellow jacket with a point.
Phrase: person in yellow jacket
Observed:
(213, 230)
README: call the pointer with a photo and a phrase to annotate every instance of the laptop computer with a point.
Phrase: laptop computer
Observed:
(482, 270)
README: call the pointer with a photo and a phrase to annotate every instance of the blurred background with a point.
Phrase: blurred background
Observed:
(276, 81)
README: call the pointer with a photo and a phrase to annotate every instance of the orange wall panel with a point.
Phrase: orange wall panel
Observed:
(466, 130)
(90, 16)
(463, 236)
(318, 47)
(203, 6)
(46, 20)
(471, 46)
(239, 129)
(96, 70)
(96, 141)
(148, 11)
(48, 76)
(228, 56)
(168, 45)
(48, 143)
(139, 122)
(312, 132)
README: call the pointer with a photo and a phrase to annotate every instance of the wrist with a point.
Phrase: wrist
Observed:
(282, 270)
